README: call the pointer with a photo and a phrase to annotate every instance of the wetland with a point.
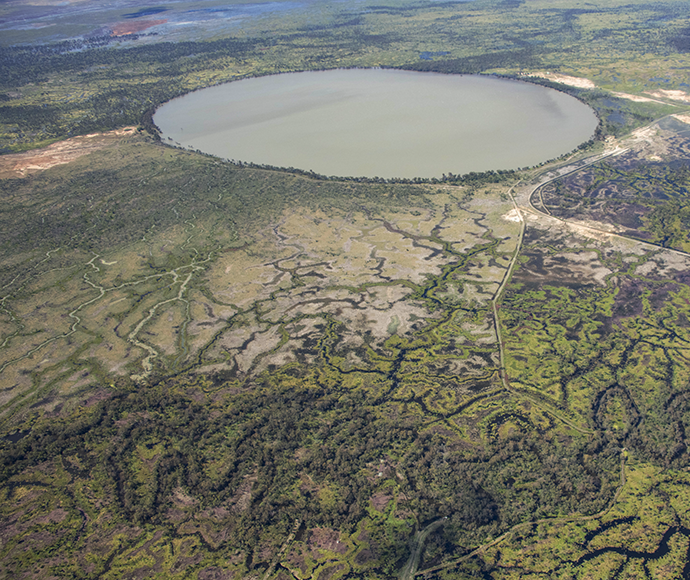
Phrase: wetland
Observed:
(215, 370)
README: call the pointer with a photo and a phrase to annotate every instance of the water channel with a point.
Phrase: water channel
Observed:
(377, 122)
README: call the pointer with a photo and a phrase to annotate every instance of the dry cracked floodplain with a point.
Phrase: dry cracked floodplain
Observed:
(393, 296)
(355, 279)
(351, 288)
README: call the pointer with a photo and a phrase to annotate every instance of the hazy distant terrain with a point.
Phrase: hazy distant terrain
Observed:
(214, 370)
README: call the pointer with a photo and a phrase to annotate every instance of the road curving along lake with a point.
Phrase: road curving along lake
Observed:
(379, 123)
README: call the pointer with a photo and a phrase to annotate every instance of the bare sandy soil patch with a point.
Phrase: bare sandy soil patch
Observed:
(674, 95)
(513, 215)
(22, 164)
(636, 98)
(578, 82)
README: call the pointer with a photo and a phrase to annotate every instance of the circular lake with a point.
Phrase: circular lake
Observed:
(379, 123)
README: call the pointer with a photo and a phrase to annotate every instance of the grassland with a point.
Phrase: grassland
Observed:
(221, 371)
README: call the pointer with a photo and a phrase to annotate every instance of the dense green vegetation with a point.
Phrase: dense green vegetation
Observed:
(230, 371)
(312, 452)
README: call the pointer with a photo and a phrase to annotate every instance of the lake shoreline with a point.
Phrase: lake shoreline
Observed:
(385, 123)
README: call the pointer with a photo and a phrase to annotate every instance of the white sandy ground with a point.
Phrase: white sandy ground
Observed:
(513, 215)
(644, 134)
(582, 83)
(674, 95)
(636, 98)
(578, 82)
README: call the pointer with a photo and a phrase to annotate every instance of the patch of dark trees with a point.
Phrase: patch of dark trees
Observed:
(522, 58)
(471, 179)
(681, 40)
(149, 126)
(279, 435)
(21, 64)
(109, 109)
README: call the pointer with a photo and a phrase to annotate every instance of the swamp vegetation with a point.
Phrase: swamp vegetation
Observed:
(212, 370)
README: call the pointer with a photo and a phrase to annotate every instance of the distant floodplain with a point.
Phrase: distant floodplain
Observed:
(379, 123)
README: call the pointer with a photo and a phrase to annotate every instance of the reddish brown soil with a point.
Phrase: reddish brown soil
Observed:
(125, 28)
(326, 539)
(379, 501)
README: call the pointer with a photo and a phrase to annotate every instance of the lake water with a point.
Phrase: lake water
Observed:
(385, 123)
